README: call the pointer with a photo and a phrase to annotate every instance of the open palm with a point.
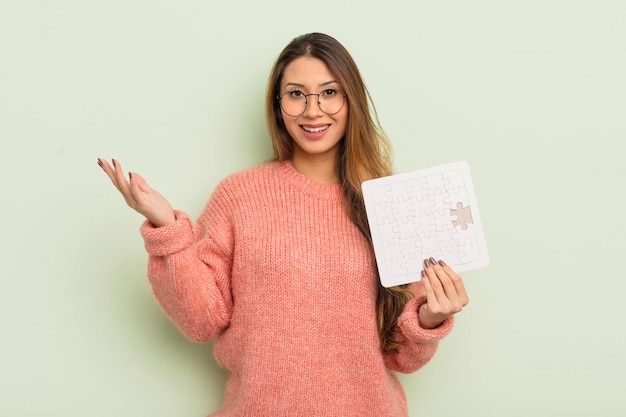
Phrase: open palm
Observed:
(138, 194)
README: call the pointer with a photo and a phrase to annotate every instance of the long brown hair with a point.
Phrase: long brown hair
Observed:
(364, 153)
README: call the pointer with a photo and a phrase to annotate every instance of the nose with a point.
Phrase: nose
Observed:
(313, 108)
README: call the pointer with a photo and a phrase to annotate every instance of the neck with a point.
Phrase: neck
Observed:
(320, 169)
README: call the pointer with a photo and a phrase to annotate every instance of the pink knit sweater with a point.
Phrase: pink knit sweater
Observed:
(275, 269)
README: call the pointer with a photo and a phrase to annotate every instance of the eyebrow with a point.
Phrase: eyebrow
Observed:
(321, 85)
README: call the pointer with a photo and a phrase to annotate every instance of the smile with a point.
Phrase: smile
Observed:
(315, 129)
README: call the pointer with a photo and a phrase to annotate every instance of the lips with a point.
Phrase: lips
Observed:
(315, 132)
(315, 129)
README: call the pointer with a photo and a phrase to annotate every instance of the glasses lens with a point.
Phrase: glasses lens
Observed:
(294, 103)
(331, 101)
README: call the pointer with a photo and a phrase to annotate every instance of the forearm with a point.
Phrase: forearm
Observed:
(419, 343)
(187, 288)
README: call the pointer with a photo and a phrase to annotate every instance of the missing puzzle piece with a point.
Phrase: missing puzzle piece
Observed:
(463, 216)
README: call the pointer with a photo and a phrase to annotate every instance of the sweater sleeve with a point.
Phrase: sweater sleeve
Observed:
(418, 344)
(189, 270)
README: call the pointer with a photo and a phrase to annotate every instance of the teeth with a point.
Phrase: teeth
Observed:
(315, 129)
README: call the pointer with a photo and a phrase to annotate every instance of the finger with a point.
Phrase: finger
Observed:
(116, 174)
(112, 172)
(122, 183)
(456, 297)
(432, 304)
(133, 183)
(138, 188)
(438, 291)
(449, 300)
(428, 288)
(457, 281)
(139, 182)
(109, 171)
(445, 279)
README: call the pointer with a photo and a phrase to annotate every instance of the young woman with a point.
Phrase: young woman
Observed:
(279, 267)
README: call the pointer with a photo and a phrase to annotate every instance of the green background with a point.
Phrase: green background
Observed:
(531, 93)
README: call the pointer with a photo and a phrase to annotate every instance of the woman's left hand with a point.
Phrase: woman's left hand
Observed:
(445, 294)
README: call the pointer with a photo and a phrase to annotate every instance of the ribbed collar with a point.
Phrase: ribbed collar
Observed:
(307, 185)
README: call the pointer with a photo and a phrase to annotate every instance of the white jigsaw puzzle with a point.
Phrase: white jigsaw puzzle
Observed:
(426, 213)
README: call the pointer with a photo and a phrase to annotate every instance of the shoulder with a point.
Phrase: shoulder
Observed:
(257, 182)
(251, 177)
(257, 172)
(239, 190)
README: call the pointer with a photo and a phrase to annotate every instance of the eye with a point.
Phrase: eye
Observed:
(295, 94)
(329, 92)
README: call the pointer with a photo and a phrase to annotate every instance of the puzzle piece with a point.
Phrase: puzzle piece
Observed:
(381, 193)
(385, 212)
(388, 233)
(469, 251)
(423, 206)
(439, 206)
(396, 266)
(405, 212)
(436, 184)
(430, 242)
(400, 191)
(412, 263)
(451, 255)
(416, 187)
(394, 249)
(455, 181)
(457, 195)
(450, 237)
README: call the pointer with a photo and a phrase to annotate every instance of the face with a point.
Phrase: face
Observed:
(316, 135)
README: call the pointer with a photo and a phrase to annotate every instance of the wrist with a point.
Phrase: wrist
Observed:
(163, 220)
(426, 320)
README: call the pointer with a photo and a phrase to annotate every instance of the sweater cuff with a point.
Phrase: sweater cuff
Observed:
(168, 239)
(410, 326)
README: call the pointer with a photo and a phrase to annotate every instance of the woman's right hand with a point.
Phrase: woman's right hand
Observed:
(139, 196)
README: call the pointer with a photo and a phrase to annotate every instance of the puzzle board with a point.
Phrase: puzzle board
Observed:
(426, 213)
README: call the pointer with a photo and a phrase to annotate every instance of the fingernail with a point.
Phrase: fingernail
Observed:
(432, 261)
(426, 263)
(423, 273)
(130, 175)
(114, 162)
(99, 162)
(442, 263)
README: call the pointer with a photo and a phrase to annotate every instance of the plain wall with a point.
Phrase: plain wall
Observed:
(531, 93)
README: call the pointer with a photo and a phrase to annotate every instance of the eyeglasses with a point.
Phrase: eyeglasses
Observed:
(294, 102)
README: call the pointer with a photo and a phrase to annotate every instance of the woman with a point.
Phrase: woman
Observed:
(279, 267)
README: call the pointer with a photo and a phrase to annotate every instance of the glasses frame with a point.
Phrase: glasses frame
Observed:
(279, 97)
